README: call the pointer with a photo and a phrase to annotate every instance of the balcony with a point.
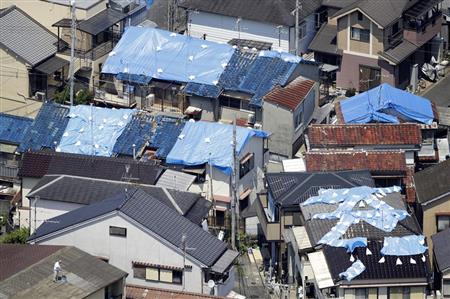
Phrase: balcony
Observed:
(121, 99)
(395, 39)
(272, 230)
(419, 29)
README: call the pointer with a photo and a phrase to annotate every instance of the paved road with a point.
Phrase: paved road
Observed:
(440, 92)
(248, 281)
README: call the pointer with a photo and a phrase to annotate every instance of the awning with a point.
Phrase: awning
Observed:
(294, 165)
(177, 180)
(301, 237)
(328, 68)
(101, 21)
(222, 198)
(246, 193)
(8, 148)
(321, 271)
(52, 65)
(225, 261)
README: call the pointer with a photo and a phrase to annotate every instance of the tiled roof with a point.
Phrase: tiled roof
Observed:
(38, 164)
(400, 52)
(13, 128)
(267, 11)
(441, 248)
(138, 292)
(325, 39)
(151, 214)
(87, 191)
(368, 134)
(85, 273)
(432, 182)
(293, 188)
(374, 161)
(292, 94)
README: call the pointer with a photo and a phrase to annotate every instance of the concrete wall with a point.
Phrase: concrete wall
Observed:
(100, 294)
(220, 28)
(138, 245)
(24, 212)
(208, 106)
(303, 43)
(46, 209)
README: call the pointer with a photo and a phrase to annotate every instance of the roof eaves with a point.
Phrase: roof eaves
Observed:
(346, 11)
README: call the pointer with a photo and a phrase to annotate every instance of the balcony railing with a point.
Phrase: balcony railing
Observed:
(271, 229)
(421, 26)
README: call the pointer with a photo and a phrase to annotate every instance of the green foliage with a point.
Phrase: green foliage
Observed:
(19, 236)
(350, 92)
(83, 96)
(62, 96)
(245, 243)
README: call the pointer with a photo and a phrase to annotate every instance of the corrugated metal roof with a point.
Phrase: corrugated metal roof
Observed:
(13, 128)
(320, 268)
(301, 237)
(25, 37)
(177, 180)
(52, 65)
(153, 215)
(47, 128)
(294, 165)
(101, 21)
(225, 261)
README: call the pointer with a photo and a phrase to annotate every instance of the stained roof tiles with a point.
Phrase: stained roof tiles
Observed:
(292, 94)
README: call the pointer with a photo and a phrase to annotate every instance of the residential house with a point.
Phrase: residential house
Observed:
(26, 271)
(292, 107)
(206, 149)
(433, 199)
(445, 31)
(279, 208)
(360, 258)
(173, 252)
(441, 265)
(139, 292)
(371, 46)
(35, 165)
(55, 195)
(367, 142)
(29, 68)
(263, 21)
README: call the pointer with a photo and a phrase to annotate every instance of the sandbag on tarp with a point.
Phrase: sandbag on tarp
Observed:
(354, 270)
(386, 103)
(407, 245)
(205, 142)
(146, 53)
(93, 130)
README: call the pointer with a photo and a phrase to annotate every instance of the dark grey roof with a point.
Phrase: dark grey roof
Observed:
(241, 43)
(150, 213)
(400, 52)
(88, 191)
(101, 21)
(338, 261)
(325, 40)
(338, 3)
(177, 180)
(85, 273)
(293, 188)
(25, 37)
(441, 248)
(383, 12)
(225, 261)
(267, 11)
(52, 65)
(37, 164)
(432, 182)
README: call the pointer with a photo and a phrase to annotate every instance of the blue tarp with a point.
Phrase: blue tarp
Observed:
(47, 128)
(138, 131)
(13, 128)
(153, 53)
(204, 142)
(93, 130)
(166, 134)
(407, 245)
(386, 104)
(354, 270)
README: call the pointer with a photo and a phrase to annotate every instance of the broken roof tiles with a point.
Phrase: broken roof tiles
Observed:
(292, 94)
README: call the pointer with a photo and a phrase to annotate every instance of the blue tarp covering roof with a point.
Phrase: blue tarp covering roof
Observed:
(253, 73)
(47, 128)
(159, 54)
(13, 128)
(166, 135)
(93, 130)
(204, 142)
(386, 104)
(407, 245)
(354, 270)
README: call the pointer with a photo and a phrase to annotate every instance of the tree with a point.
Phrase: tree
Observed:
(18, 236)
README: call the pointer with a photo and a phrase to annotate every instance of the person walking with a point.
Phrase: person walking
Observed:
(56, 270)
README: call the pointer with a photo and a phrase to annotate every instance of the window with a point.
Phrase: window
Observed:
(395, 28)
(302, 31)
(298, 119)
(117, 231)
(157, 273)
(360, 16)
(235, 103)
(399, 293)
(362, 35)
(246, 165)
(443, 222)
(446, 288)
(361, 293)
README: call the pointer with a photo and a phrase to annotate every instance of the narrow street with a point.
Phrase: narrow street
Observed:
(440, 92)
(248, 280)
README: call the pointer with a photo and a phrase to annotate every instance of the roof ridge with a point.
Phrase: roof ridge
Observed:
(58, 177)
(172, 200)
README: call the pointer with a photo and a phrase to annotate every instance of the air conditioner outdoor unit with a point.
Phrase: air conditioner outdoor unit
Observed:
(40, 96)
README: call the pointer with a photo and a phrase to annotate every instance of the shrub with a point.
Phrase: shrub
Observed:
(19, 236)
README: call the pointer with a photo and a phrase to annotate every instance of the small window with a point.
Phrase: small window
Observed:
(395, 28)
(362, 35)
(443, 222)
(246, 165)
(117, 231)
(158, 274)
(360, 16)
(302, 31)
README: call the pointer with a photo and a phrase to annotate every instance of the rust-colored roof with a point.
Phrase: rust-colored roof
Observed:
(292, 94)
(375, 161)
(138, 292)
(367, 134)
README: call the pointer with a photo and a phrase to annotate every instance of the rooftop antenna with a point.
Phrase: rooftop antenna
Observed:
(184, 248)
(128, 178)
(73, 28)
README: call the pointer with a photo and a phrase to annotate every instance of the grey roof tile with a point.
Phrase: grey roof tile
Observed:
(441, 248)
(432, 182)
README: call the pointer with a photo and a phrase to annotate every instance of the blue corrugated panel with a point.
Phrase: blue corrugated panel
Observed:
(138, 131)
(47, 128)
(13, 128)
(166, 134)
(203, 90)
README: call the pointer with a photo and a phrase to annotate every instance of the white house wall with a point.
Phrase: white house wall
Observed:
(46, 209)
(220, 28)
(24, 212)
(139, 246)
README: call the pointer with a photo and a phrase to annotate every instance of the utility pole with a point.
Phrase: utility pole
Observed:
(184, 248)
(72, 49)
(233, 189)
(211, 193)
(298, 7)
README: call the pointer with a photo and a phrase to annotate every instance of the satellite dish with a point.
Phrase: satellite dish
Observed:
(211, 284)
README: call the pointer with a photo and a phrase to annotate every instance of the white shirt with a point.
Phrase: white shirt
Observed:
(56, 267)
